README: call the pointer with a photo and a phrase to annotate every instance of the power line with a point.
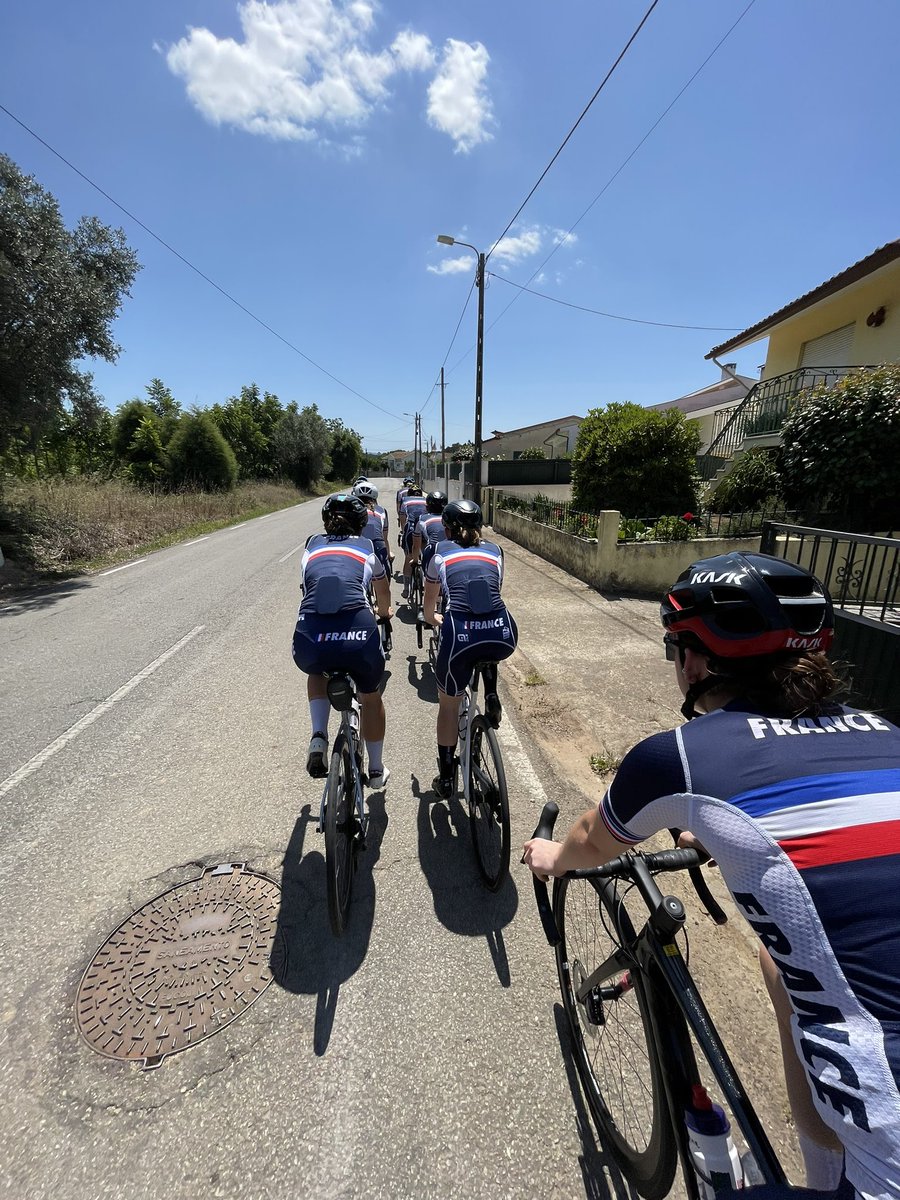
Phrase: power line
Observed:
(195, 269)
(603, 84)
(616, 316)
(465, 306)
(617, 172)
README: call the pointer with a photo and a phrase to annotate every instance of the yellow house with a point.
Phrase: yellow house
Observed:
(851, 320)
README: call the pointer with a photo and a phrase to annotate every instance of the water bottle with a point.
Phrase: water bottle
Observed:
(715, 1159)
(463, 717)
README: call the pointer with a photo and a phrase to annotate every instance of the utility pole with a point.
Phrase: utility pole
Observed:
(479, 374)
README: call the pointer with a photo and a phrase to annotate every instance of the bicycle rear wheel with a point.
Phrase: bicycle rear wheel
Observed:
(340, 833)
(612, 1042)
(488, 805)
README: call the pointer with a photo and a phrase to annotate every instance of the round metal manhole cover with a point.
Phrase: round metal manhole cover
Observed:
(182, 967)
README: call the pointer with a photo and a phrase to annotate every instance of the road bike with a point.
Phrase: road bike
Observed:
(434, 633)
(484, 785)
(417, 590)
(342, 814)
(635, 1015)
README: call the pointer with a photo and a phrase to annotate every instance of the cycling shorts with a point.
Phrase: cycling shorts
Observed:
(469, 638)
(348, 641)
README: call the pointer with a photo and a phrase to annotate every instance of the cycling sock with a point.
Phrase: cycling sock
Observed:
(375, 751)
(824, 1166)
(319, 712)
(489, 674)
(446, 757)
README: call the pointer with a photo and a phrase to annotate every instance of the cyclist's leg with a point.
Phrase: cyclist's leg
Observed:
(365, 665)
(449, 692)
(308, 658)
(823, 1156)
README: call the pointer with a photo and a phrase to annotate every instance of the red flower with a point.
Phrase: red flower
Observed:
(688, 517)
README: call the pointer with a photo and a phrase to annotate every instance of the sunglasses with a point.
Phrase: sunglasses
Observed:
(674, 648)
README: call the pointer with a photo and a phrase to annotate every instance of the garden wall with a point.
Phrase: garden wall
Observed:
(605, 563)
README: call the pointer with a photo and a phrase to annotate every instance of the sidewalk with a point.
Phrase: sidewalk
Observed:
(590, 678)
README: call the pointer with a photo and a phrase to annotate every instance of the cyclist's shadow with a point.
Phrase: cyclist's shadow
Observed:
(602, 1178)
(421, 677)
(306, 957)
(461, 901)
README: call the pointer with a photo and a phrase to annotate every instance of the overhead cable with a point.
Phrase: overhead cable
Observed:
(290, 345)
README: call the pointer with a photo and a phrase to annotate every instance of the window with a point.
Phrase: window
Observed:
(833, 349)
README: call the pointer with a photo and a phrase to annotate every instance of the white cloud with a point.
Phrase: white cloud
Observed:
(452, 266)
(304, 64)
(458, 102)
(413, 51)
(514, 247)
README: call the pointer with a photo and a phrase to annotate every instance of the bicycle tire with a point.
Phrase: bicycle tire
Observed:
(488, 805)
(612, 1042)
(340, 834)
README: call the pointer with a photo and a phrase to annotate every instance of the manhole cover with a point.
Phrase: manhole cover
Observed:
(182, 967)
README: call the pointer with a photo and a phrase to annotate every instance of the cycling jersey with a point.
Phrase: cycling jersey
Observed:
(401, 496)
(414, 507)
(384, 516)
(431, 530)
(477, 626)
(376, 532)
(803, 818)
(336, 629)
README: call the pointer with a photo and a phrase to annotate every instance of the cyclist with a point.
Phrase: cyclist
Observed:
(408, 481)
(475, 624)
(413, 508)
(430, 529)
(798, 800)
(336, 629)
(376, 527)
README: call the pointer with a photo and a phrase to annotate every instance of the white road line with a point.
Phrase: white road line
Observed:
(125, 568)
(285, 557)
(514, 752)
(241, 526)
(196, 540)
(89, 718)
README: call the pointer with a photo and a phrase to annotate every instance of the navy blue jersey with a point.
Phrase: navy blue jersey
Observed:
(413, 509)
(384, 517)
(430, 529)
(335, 573)
(803, 818)
(375, 529)
(470, 576)
(401, 496)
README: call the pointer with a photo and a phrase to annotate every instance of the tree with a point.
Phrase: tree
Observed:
(146, 455)
(199, 456)
(302, 442)
(248, 422)
(346, 452)
(753, 481)
(127, 420)
(640, 462)
(532, 453)
(166, 408)
(60, 290)
(841, 446)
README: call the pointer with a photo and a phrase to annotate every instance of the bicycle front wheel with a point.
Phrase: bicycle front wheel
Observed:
(611, 1033)
(340, 833)
(488, 805)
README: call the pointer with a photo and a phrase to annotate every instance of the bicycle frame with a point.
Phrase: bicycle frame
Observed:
(468, 711)
(677, 1011)
(350, 722)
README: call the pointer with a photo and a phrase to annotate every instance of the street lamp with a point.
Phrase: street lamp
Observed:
(446, 240)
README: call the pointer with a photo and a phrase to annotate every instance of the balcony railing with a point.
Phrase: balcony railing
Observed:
(763, 411)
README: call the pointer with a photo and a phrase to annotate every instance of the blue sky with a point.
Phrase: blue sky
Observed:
(304, 154)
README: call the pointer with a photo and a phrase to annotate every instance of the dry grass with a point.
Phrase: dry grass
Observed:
(72, 524)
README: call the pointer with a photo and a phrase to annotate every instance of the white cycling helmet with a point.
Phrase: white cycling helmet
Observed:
(367, 492)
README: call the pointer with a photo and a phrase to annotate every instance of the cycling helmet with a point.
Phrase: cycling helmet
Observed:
(407, 480)
(465, 513)
(414, 490)
(361, 479)
(348, 506)
(435, 502)
(366, 491)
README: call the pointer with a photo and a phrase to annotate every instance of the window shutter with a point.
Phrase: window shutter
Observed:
(833, 349)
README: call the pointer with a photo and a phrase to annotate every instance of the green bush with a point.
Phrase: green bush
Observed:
(841, 447)
(199, 456)
(753, 482)
(634, 460)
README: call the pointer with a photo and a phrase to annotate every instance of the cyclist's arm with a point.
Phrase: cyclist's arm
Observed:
(588, 844)
(383, 596)
(432, 592)
(416, 546)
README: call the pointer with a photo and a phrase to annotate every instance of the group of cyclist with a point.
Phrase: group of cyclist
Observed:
(337, 625)
(795, 796)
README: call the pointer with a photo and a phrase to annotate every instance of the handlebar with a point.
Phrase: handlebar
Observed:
(544, 829)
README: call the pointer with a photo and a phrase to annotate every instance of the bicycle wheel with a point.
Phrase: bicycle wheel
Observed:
(340, 833)
(612, 1042)
(488, 805)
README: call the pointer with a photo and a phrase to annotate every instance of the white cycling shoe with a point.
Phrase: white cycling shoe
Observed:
(377, 780)
(316, 765)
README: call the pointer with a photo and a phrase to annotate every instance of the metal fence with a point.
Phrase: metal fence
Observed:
(558, 514)
(530, 472)
(862, 572)
(704, 524)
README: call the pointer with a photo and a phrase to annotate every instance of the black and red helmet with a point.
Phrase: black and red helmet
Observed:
(348, 506)
(746, 605)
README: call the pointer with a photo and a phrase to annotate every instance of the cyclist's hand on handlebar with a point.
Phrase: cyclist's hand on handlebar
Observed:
(386, 616)
(541, 858)
(687, 841)
(437, 619)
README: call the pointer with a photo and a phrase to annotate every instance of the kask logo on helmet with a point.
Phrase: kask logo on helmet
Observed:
(735, 577)
(803, 643)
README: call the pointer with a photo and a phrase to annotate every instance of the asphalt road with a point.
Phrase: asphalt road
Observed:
(153, 724)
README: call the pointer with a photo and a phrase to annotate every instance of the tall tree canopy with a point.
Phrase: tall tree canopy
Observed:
(60, 291)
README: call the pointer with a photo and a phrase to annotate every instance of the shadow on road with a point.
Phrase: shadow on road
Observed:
(421, 677)
(37, 595)
(600, 1175)
(461, 901)
(306, 957)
